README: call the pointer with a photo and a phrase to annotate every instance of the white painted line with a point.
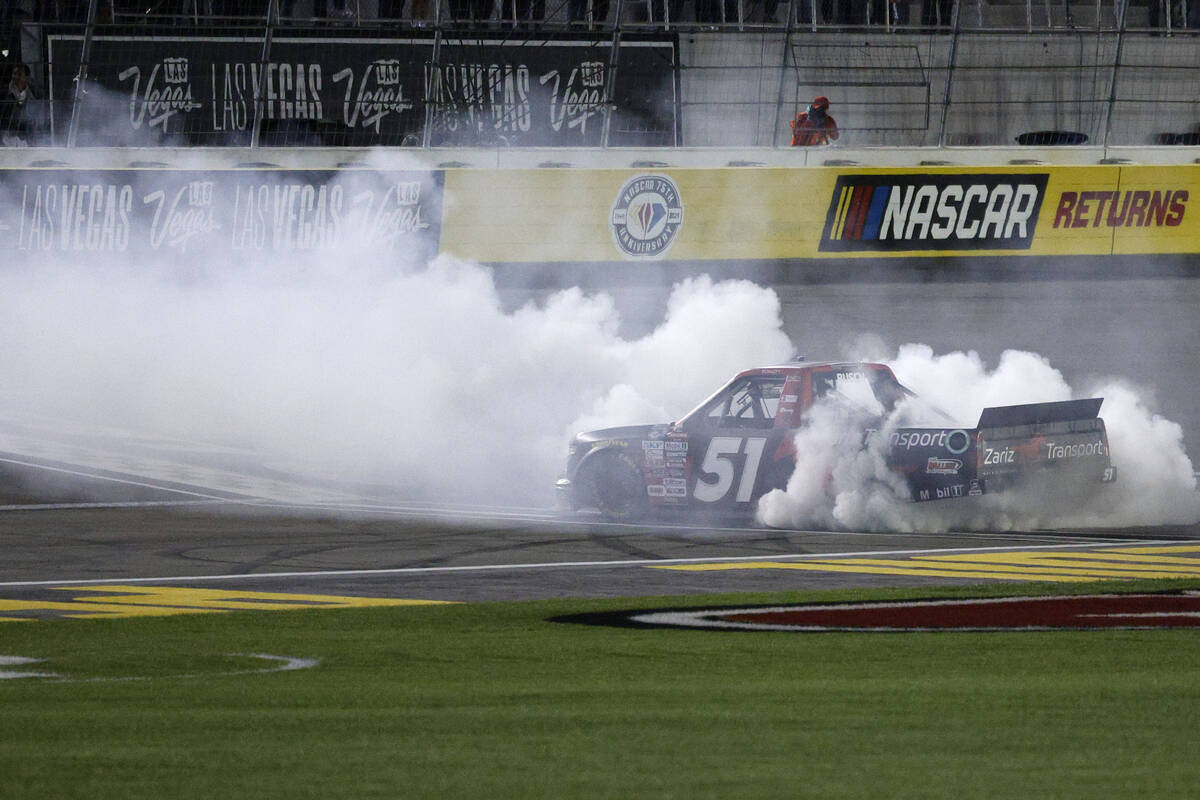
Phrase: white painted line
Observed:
(82, 474)
(131, 504)
(20, 661)
(281, 664)
(641, 562)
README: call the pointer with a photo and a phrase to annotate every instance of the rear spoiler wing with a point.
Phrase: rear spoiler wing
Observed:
(1040, 413)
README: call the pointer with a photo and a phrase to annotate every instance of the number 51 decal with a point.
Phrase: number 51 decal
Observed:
(719, 461)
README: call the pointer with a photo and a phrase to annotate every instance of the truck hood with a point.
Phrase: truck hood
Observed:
(624, 432)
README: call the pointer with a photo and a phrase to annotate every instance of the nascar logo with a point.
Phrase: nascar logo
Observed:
(933, 212)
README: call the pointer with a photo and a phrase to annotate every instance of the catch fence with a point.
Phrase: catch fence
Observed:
(624, 73)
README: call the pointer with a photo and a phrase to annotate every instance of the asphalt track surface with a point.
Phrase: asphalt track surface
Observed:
(97, 521)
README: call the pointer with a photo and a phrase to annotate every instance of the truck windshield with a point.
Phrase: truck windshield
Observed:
(875, 391)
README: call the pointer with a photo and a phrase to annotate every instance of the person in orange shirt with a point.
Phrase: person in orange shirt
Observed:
(814, 126)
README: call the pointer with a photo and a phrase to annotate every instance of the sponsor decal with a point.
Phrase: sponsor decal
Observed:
(646, 216)
(1130, 209)
(73, 217)
(956, 442)
(186, 216)
(943, 492)
(656, 490)
(379, 92)
(677, 446)
(246, 210)
(933, 212)
(165, 93)
(1107, 611)
(998, 456)
(296, 216)
(287, 91)
(576, 98)
(1079, 450)
(388, 219)
(975, 488)
(943, 466)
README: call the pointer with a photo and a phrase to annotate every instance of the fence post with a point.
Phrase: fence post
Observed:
(610, 80)
(783, 70)
(85, 54)
(1112, 84)
(433, 79)
(954, 34)
(263, 61)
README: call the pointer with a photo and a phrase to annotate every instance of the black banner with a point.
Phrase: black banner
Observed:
(363, 92)
(242, 211)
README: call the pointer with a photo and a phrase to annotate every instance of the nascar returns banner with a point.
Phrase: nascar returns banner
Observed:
(817, 213)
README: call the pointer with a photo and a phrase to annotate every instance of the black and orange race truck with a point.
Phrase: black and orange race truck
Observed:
(739, 444)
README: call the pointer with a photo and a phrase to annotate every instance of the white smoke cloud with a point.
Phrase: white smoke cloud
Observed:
(357, 366)
(839, 483)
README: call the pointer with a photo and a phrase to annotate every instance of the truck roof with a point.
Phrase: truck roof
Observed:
(801, 366)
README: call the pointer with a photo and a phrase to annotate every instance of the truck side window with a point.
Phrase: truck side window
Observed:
(749, 403)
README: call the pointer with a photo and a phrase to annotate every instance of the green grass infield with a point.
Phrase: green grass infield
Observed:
(494, 701)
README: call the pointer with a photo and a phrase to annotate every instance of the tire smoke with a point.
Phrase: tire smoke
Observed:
(840, 483)
(351, 367)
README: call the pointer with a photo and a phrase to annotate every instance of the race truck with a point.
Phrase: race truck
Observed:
(739, 444)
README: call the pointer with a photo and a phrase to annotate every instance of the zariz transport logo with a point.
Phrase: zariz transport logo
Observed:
(646, 216)
(933, 212)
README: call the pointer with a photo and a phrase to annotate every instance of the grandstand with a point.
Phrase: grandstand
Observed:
(619, 74)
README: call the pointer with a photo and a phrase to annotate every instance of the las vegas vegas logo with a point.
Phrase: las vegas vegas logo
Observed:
(646, 216)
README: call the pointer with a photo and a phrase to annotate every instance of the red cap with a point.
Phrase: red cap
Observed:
(821, 102)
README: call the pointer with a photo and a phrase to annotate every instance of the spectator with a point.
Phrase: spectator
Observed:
(814, 126)
(14, 124)
(715, 11)
(524, 11)
(805, 9)
(577, 11)
(418, 12)
(657, 11)
(470, 10)
(939, 13)
(321, 9)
